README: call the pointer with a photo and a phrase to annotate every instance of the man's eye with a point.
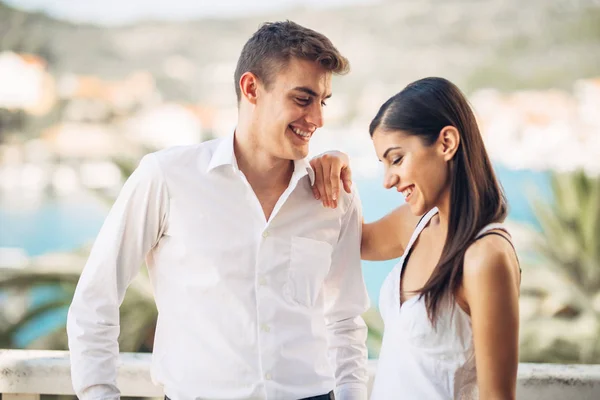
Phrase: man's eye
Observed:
(323, 104)
(302, 100)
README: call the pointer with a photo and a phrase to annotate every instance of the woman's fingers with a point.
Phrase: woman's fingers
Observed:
(346, 176)
(331, 171)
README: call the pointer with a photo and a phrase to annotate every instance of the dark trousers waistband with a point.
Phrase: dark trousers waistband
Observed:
(328, 396)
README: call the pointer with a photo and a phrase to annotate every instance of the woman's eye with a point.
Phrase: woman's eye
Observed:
(397, 160)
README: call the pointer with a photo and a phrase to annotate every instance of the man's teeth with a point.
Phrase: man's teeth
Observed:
(406, 192)
(301, 133)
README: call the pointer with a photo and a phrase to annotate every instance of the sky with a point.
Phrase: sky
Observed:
(111, 12)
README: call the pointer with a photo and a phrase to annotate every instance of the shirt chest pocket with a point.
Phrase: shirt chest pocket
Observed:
(310, 260)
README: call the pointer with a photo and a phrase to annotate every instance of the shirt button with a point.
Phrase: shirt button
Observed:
(262, 281)
(265, 234)
(265, 328)
(268, 376)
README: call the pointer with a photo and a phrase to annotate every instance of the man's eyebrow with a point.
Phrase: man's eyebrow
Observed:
(309, 91)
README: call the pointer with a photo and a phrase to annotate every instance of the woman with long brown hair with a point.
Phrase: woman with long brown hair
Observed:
(450, 306)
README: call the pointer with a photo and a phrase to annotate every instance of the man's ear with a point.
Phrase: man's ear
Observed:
(448, 142)
(249, 87)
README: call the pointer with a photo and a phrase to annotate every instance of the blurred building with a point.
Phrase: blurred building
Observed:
(165, 125)
(542, 129)
(25, 84)
(93, 99)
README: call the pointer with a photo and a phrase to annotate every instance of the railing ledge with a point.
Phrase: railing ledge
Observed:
(49, 372)
(25, 374)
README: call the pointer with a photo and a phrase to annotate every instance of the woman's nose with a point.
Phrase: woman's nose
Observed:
(390, 180)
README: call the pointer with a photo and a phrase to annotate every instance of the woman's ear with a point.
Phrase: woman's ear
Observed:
(448, 141)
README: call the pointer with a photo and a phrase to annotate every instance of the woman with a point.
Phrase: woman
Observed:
(450, 306)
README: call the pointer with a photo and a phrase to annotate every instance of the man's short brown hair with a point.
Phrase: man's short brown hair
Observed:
(275, 43)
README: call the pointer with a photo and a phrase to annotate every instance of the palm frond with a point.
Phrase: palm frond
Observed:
(568, 244)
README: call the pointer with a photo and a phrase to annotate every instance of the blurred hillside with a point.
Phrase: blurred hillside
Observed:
(507, 44)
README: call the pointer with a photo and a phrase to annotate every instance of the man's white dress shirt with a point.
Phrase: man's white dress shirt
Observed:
(248, 308)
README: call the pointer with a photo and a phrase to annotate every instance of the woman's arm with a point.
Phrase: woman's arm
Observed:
(387, 237)
(491, 291)
(384, 239)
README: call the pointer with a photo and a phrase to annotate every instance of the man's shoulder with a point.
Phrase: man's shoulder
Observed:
(196, 155)
(348, 202)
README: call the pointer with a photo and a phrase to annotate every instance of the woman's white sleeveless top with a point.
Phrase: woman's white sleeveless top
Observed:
(417, 361)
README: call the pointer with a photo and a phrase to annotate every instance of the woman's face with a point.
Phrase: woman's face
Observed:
(418, 171)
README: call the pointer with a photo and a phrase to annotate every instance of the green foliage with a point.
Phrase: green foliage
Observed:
(138, 311)
(570, 236)
(569, 247)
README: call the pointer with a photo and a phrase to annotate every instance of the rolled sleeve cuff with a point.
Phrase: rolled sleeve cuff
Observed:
(351, 391)
(100, 392)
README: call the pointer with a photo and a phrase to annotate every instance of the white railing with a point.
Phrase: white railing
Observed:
(25, 374)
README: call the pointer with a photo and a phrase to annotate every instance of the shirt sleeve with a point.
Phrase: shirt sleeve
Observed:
(131, 229)
(346, 299)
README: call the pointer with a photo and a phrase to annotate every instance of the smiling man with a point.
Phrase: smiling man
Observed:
(258, 286)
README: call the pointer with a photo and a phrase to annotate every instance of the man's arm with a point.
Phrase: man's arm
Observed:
(346, 299)
(131, 229)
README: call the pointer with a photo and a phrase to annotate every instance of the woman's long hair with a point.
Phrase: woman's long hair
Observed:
(423, 109)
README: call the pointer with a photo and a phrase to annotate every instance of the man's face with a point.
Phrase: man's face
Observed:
(289, 113)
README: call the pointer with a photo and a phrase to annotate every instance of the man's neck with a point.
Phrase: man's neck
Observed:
(262, 170)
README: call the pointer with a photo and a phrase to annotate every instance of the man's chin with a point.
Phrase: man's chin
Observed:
(296, 153)
(301, 154)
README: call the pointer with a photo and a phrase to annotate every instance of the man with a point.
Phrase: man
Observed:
(258, 287)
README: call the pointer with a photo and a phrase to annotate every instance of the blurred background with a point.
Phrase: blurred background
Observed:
(88, 87)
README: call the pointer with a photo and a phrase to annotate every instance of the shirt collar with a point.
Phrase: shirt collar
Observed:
(225, 155)
(301, 168)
